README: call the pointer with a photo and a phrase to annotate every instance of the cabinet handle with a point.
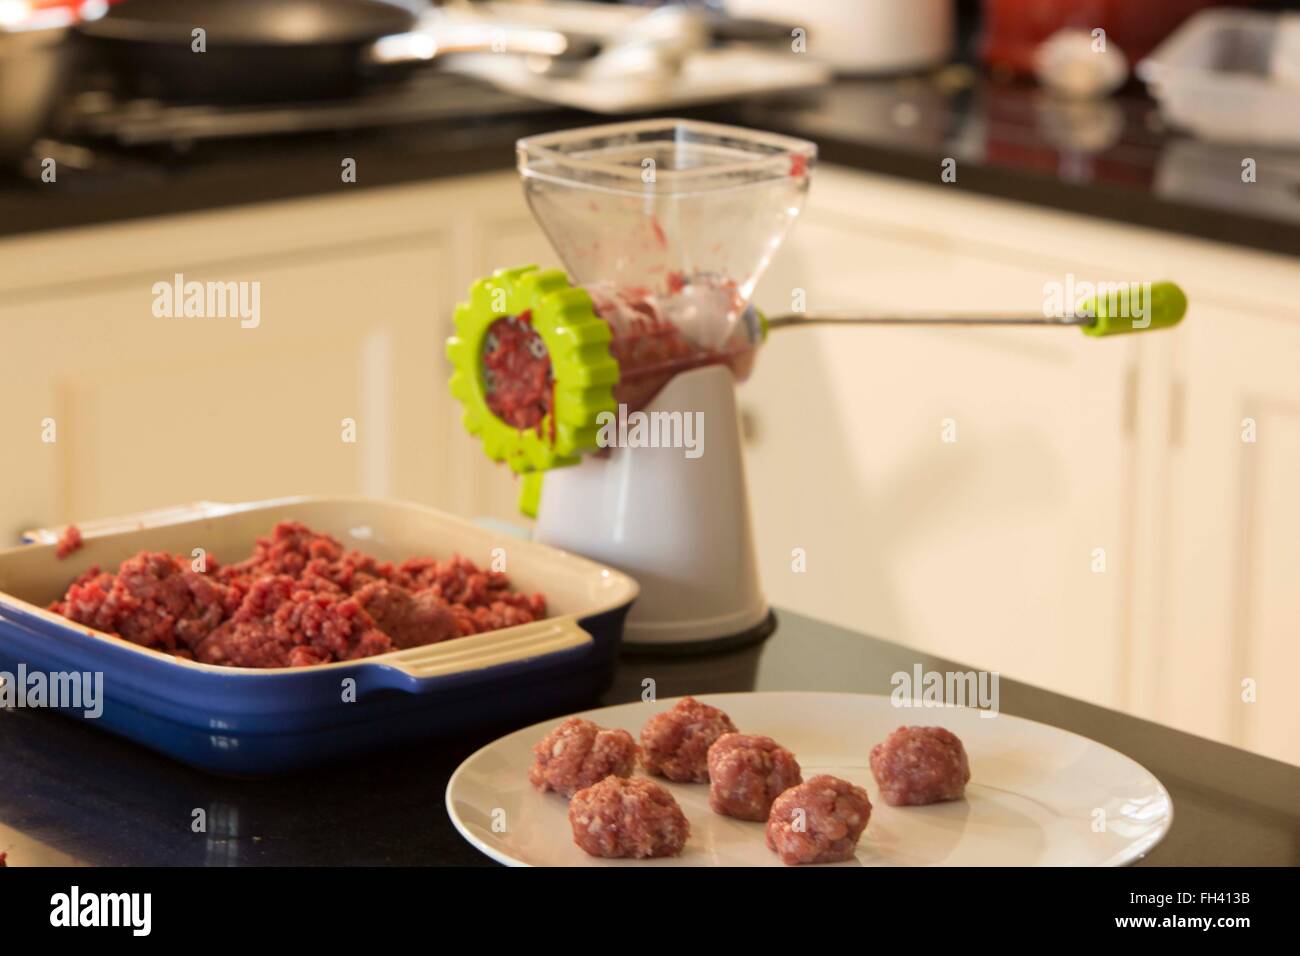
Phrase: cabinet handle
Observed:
(749, 425)
(1177, 412)
(1128, 409)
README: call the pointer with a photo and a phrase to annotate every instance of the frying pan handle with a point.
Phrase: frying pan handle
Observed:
(423, 45)
(478, 651)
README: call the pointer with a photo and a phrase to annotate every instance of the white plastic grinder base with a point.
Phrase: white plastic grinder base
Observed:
(675, 518)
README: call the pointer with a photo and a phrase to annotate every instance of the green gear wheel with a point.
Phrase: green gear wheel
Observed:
(584, 372)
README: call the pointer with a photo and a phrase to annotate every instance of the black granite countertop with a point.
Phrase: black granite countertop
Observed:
(1113, 159)
(75, 795)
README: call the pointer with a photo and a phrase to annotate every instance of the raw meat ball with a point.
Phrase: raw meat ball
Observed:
(676, 743)
(634, 817)
(577, 754)
(919, 765)
(746, 773)
(834, 814)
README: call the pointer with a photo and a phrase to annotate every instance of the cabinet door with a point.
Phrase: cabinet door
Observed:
(961, 491)
(1234, 519)
(357, 293)
(334, 391)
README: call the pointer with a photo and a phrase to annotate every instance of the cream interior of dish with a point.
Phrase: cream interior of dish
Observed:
(390, 531)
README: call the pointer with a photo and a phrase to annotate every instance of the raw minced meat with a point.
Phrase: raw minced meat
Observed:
(69, 542)
(918, 765)
(281, 624)
(819, 821)
(480, 600)
(299, 599)
(647, 340)
(154, 600)
(519, 384)
(746, 773)
(621, 817)
(408, 618)
(577, 754)
(675, 744)
(655, 335)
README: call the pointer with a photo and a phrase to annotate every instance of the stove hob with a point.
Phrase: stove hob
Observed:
(429, 96)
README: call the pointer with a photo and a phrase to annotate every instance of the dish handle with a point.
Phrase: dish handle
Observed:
(409, 669)
(132, 522)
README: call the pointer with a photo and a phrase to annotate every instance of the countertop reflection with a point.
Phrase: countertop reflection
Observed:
(75, 795)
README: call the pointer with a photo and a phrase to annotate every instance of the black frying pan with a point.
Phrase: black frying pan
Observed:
(268, 50)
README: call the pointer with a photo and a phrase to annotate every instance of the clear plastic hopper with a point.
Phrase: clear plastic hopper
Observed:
(668, 224)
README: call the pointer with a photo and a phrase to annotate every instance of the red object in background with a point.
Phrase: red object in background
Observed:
(59, 13)
(68, 4)
(1013, 29)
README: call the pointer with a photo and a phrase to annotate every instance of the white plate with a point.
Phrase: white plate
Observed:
(1038, 796)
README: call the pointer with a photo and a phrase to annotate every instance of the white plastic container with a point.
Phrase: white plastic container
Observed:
(1231, 75)
(865, 36)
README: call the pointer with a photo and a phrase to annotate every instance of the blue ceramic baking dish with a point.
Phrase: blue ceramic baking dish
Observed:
(259, 722)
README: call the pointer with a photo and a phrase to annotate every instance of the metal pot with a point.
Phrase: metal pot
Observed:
(263, 51)
(871, 37)
(32, 68)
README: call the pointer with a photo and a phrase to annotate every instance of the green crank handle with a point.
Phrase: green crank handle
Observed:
(530, 493)
(1114, 314)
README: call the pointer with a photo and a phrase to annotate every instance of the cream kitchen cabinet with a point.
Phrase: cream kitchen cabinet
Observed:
(1078, 514)
(986, 548)
(341, 387)
(959, 490)
(1231, 518)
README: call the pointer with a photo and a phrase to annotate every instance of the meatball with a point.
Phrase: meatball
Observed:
(919, 765)
(818, 822)
(676, 743)
(577, 754)
(634, 817)
(746, 773)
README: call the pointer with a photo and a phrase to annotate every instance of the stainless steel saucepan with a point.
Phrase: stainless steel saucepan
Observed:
(33, 54)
